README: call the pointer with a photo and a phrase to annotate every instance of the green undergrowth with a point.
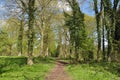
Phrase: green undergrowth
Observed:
(113, 67)
(37, 71)
(6, 60)
(94, 71)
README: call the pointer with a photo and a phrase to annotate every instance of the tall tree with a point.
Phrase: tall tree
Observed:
(102, 17)
(117, 27)
(114, 13)
(97, 13)
(20, 37)
(46, 12)
(117, 34)
(110, 21)
(28, 8)
(31, 18)
(107, 12)
(12, 25)
(75, 23)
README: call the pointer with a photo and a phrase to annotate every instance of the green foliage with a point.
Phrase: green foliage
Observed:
(3, 41)
(44, 59)
(14, 60)
(8, 63)
(113, 67)
(51, 41)
(117, 27)
(75, 23)
(37, 71)
(91, 72)
(8, 36)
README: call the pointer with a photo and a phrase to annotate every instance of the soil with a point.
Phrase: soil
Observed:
(58, 72)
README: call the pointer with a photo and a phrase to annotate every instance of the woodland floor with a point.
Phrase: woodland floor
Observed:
(58, 72)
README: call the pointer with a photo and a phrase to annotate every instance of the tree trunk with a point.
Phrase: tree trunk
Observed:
(103, 45)
(31, 30)
(20, 38)
(10, 47)
(98, 29)
(113, 28)
(47, 52)
(103, 31)
(60, 43)
(109, 45)
(42, 43)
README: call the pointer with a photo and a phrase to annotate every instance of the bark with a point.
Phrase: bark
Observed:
(103, 31)
(66, 43)
(60, 44)
(109, 46)
(41, 43)
(20, 38)
(98, 29)
(117, 35)
(46, 41)
(47, 52)
(42, 33)
(10, 47)
(103, 44)
(31, 30)
(113, 28)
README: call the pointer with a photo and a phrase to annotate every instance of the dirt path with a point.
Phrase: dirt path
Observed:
(58, 73)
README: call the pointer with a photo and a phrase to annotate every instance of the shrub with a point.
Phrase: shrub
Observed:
(8, 63)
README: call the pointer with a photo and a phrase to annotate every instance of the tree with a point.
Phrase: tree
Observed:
(117, 27)
(20, 37)
(90, 46)
(31, 18)
(12, 25)
(44, 20)
(110, 22)
(75, 23)
(29, 8)
(3, 42)
(97, 13)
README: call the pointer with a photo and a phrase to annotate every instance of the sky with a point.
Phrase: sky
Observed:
(84, 4)
(87, 7)
(2, 8)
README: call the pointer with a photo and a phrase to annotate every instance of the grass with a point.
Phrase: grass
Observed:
(38, 71)
(92, 72)
(15, 68)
